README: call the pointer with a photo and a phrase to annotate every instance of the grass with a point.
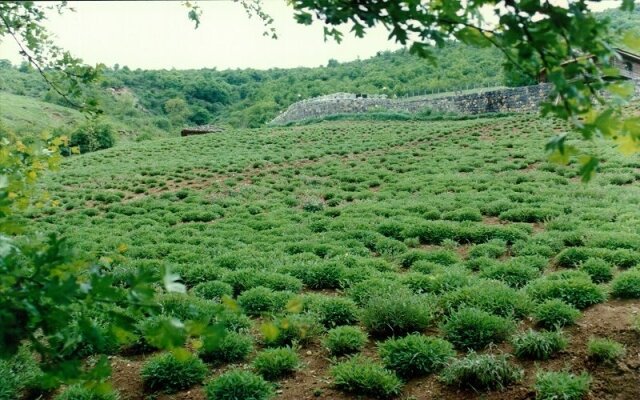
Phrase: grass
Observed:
(340, 214)
(27, 114)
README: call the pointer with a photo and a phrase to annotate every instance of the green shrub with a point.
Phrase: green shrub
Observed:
(491, 249)
(572, 257)
(212, 290)
(396, 315)
(598, 269)
(273, 364)
(363, 376)
(336, 311)
(259, 300)
(167, 373)
(77, 392)
(194, 274)
(481, 372)
(441, 281)
(577, 291)
(552, 385)
(425, 267)
(415, 355)
(363, 291)
(345, 340)
(93, 136)
(555, 313)
(298, 328)
(491, 296)
(232, 347)
(244, 279)
(186, 307)
(538, 345)
(463, 214)
(602, 349)
(233, 321)
(441, 257)
(470, 328)
(480, 263)
(626, 285)
(236, 384)
(322, 276)
(514, 275)
(389, 247)
(10, 385)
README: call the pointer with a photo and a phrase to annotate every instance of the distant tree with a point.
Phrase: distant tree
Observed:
(332, 63)
(200, 116)
(93, 136)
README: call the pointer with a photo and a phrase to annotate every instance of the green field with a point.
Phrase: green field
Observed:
(27, 114)
(453, 229)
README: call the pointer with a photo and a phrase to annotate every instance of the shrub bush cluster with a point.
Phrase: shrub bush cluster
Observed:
(232, 347)
(471, 328)
(578, 291)
(363, 376)
(602, 349)
(397, 315)
(237, 384)
(276, 363)
(415, 355)
(345, 340)
(551, 385)
(538, 345)
(555, 313)
(627, 285)
(481, 372)
(168, 373)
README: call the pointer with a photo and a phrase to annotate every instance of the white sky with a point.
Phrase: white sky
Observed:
(157, 35)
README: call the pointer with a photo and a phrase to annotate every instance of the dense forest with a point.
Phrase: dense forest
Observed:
(152, 101)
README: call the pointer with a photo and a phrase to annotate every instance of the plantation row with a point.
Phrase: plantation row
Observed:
(443, 253)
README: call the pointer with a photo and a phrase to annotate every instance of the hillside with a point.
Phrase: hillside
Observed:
(32, 116)
(252, 97)
(391, 227)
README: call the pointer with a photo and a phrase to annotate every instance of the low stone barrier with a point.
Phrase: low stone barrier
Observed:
(526, 98)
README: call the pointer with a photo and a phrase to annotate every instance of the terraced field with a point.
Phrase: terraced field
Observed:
(439, 244)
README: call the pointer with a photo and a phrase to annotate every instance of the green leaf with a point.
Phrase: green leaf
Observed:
(588, 167)
(472, 36)
(627, 5)
(270, 331)
(631, 40)
(623, 89)
(167, 334)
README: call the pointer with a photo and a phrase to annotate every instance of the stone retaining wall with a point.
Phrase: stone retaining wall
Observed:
(492, 101)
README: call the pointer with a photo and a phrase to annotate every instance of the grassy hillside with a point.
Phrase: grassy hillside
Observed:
(29, 115)
(457, 230)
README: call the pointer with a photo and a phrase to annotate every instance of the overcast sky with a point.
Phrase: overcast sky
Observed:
(157, 35)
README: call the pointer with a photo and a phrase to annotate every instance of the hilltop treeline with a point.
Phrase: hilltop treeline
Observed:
(249, 97)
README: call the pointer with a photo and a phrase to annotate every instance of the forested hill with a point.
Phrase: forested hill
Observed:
(251, 97)
(151, 101)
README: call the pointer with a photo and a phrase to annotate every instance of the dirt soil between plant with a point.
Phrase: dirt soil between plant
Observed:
(613, 381)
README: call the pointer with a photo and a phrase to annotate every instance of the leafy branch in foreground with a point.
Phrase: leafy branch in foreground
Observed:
(55, 301)
(63, 73)
(568, 43)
